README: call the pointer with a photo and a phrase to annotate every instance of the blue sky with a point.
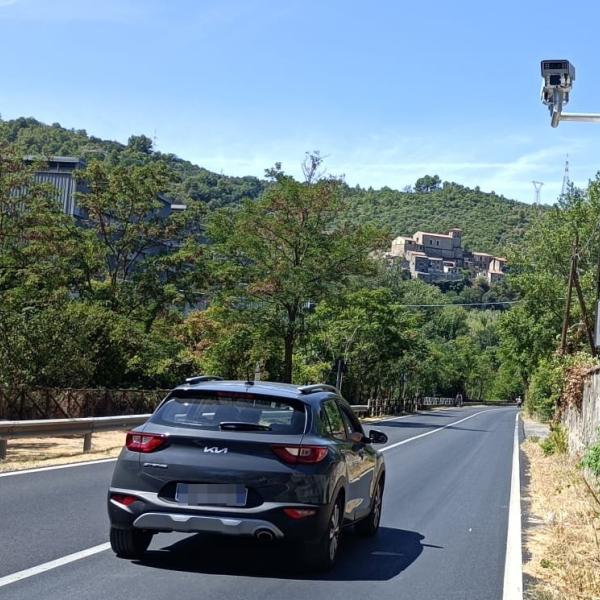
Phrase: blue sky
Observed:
(386, 90)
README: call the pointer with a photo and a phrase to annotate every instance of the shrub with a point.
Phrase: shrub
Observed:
(591, 459)
(556, 442)
(544, 389)
(556, 383)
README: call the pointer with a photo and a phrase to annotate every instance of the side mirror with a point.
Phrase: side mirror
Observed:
(357, 438)
(377, 437)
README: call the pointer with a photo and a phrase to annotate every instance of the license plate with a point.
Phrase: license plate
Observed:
(211, 494)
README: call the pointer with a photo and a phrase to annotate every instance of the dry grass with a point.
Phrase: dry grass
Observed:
(562, 540)
(29, 453)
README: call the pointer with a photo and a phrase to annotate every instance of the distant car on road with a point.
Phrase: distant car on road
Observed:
(269, 460)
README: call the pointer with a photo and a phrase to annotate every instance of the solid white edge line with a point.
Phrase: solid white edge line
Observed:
(83, 463)
(416, 437)
(513, 564)
(53, 564)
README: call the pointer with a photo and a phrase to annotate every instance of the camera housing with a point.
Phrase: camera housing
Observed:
(558, 76)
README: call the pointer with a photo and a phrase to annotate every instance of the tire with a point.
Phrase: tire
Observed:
(321, 556)
(370, 524)
(129, 543)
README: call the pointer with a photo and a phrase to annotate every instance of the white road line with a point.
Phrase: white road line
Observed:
(513, 564)
(75, 464)
(416, 437)
(53, 564)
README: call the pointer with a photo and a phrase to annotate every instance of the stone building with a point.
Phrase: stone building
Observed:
(441, 257)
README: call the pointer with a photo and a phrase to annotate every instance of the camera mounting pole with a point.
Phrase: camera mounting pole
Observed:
(558, 77)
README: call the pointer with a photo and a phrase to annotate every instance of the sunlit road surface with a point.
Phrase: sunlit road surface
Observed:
(443, 533)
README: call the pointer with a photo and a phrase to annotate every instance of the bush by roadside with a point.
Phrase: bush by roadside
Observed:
(557, 382)
(591, 459)
(556, 442)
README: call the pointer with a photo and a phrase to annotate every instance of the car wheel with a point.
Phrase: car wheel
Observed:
(370, 524)
(321, 556)
(129, 543)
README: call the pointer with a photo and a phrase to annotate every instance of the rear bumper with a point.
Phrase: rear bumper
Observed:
(194, 523)
(155, 514)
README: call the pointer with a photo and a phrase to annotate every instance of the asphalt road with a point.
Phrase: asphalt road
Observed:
(443, 533)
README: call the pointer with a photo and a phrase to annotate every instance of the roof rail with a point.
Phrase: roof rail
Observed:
(317, 387)
(201, 378)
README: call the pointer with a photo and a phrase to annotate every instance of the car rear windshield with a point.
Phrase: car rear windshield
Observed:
(220, 410)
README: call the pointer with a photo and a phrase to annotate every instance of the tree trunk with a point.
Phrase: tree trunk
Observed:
(288, 357)
(289, 339)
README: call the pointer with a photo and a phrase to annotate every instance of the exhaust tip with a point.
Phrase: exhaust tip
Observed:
(264, 535)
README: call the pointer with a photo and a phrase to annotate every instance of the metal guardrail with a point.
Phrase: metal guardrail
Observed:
(437, 401)
(57, 427)
(85, 426)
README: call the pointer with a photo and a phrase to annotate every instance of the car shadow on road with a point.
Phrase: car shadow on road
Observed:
(372, 559)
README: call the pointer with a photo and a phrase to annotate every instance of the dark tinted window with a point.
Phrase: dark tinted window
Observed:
(209, 409)
(352, 423)
(332, 418)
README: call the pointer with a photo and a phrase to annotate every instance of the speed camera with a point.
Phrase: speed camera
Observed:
(558, 77)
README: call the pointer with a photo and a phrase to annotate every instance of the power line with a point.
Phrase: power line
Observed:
(461, 304)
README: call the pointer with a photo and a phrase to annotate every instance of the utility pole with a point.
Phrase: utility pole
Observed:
(537, 186)
(565, 325)
(566, 182)
(339, 373)
(586, 321)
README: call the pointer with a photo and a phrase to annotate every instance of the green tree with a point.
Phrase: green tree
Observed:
(140, 143)
(39, 250)
(289, 248)
(427, 184)
(137, 257)
(370, 331)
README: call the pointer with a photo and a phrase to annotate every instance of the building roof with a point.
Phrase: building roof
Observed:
(441, 235)
(56, 159)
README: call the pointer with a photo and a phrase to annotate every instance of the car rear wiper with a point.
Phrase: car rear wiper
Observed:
(242, 426)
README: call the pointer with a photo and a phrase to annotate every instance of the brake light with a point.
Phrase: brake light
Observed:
(144, 442)
(299, 513)
(300, 455)
(124, 500)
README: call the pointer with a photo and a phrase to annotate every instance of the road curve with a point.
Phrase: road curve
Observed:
(443, 532)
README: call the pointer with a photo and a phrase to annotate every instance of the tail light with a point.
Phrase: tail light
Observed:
(299, 513)
(145, 442)
(125, 500)
(300, 455)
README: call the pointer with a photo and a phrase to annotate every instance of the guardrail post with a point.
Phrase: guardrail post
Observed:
(87, 442)
(3, 448)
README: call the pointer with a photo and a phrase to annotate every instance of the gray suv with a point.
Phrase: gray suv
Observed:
(269, 460)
